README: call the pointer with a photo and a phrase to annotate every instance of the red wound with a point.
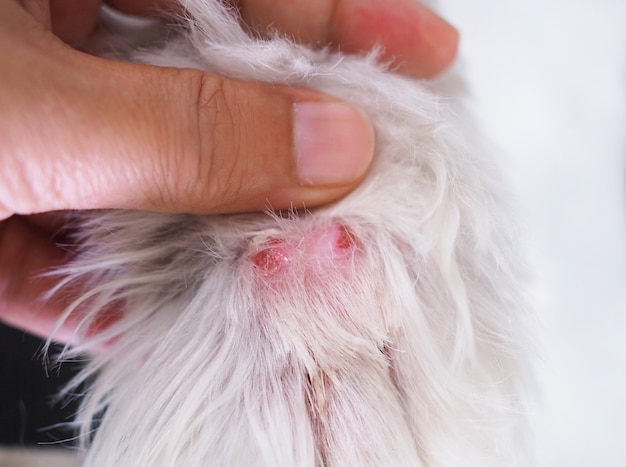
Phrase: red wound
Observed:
(273, 259)
(345, 240)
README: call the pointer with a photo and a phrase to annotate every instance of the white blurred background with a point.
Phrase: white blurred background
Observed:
(548, 81)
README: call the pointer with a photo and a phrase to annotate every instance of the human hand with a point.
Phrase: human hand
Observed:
(81, 132)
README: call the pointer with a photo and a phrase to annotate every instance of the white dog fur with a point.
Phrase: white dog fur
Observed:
(387, 329)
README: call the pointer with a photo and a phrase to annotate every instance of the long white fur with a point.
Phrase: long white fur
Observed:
(411, 355)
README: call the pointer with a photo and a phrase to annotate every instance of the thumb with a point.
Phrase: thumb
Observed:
(91, 133)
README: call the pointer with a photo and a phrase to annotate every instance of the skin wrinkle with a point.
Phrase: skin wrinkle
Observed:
(29, 181)
(230, 131)
(165, 189)
(211, 105)
(71, 161)
(26, 189)
(235, 108)
(64, 168)
(157, 190)
(49, 176)
(203, 164)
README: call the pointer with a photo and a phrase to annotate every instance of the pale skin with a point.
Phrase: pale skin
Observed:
(82, 132)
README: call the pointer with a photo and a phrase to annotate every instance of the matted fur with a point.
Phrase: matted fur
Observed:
(406, 351)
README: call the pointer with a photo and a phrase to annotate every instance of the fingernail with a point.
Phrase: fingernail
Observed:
(334, 143)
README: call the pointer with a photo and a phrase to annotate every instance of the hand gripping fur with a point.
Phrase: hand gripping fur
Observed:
(386, 329)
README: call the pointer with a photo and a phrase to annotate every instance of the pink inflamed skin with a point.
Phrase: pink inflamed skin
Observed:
(321, 250)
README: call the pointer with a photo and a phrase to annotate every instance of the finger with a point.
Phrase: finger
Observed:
(89, 133)
(25, 255)
(414, 38)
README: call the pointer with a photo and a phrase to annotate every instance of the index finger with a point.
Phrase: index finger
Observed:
(414, 39)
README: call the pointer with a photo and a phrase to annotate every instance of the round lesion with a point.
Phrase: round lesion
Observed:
(273, 259)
